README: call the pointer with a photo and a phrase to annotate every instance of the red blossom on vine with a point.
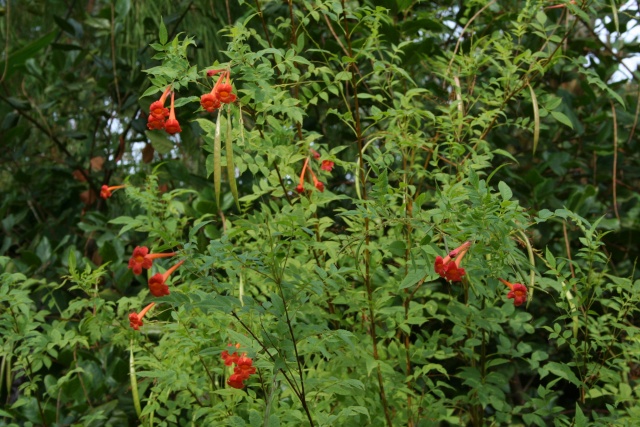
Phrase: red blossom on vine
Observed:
(327, 165)
(243, 369)
(449, 266)
(105, 190)
(135, 319)
(141, 258)
(171, 125)
(157, 285)
(517, 292)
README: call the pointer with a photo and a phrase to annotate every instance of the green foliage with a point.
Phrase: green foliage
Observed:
(366, 143)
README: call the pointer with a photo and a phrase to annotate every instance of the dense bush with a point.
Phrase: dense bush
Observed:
(349, 213)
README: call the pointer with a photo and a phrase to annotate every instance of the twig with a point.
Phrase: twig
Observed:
(455, 50)
(6, 42)
(568, 248)
(615, 160)
(113, 55)
(264, 24)
(367, 253)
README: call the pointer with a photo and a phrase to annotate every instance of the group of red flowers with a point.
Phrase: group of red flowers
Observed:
(142, 259)
(326, 165)
(222, 93)
(449, 269)
(158, 114)
(243, 369)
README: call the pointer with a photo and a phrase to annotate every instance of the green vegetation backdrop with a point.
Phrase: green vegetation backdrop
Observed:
(311, 229)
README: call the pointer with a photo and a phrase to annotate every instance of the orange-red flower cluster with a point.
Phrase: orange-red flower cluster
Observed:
(326, 165)
(135, 319)
(517, 292)
(105, 190)
(141, 258)
(158, 114)
(449, 269)
(243, 369)
(449, 266)
(222, 92)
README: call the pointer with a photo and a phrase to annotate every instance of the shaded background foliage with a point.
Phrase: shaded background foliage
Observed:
(74, 119)
(75, 75)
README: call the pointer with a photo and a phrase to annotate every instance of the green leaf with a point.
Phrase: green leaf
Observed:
(160, 142)
(19, 57)
(184, 100)
(412, 278)
(563, 371)
(580, 420)
(151, 91)
(72, 261)
(163, 37)
(206, 125)
(562, 118)
(505, 191)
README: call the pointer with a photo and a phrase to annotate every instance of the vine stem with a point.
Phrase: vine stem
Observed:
(367, 253)
(298, 393)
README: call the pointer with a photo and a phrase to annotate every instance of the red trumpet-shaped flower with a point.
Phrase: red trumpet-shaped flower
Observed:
(105, 190)
(157, 285)
(157, 108)
(243, 369)
(210, 102)
(319, 185)
(449, 266)
(135, 319)
(300, 187)
(327, 165)
(171, 125)
(316, 183)
(517, 292)
(230, 359)
(141, 258)
(223, 89)
(158, 112)
(155, 122)
(212, 73)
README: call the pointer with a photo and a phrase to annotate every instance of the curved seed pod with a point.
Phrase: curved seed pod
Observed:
(231, 169)
(536, 119)
(216, 160)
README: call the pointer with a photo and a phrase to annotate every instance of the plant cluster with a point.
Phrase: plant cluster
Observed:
(387, 218)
